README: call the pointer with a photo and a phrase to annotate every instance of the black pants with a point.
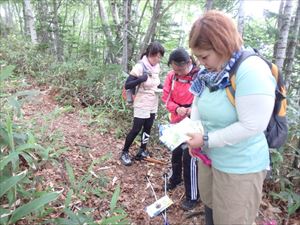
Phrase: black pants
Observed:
(181, 158)
(138, 124)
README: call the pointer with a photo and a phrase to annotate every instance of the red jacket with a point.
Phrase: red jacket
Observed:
(180, 95)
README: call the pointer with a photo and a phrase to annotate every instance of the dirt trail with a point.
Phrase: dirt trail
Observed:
(84, 143)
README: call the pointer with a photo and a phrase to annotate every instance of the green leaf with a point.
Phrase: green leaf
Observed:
(70, 173)
(61, 221)
(113, 220)
(6, 72)
(68, 198)
(45, 153)
(293, 208)
(74, 218)
(4, 213)
(9, 130)
(13, 101)
(85, 179)
(28, 159)
(4, 138)
(33, 206)
(119, 211)
(27, 93)
(24, 147)
(11, 197)
(114, 198)
(57, 153)
(293, 203)
(12, 157)
(10, 182)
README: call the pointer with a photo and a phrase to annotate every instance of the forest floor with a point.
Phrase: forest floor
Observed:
(86, 143)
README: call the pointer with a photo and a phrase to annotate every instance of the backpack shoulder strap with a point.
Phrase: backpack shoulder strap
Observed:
(171, 89)
(245, 54)
(230, 90)
(145, 72)
(145, 69)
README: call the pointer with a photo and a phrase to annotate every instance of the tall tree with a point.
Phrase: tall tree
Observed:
(152, 26)
(91, 27)
(8, 18)
(20, 16)
(116, 18)
(157, 14)
(107, 31)
(241, 17)
(43, 25)
(208, 5)
(29, 21)
(125, 36)
(292, 45)
(137, 30)
(57, 40)
(285, 19)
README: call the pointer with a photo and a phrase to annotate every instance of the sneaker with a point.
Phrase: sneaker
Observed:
(142, 154)
(188, 204)
(125, 159)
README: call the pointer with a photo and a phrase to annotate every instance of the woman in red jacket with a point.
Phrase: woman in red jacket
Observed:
(178, 101)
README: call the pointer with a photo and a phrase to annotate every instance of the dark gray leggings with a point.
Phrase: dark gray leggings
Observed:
(138, 124)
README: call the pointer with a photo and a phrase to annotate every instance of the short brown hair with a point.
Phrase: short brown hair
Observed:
(217, 31)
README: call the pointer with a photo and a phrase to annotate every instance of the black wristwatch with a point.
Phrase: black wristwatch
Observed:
(205, 141)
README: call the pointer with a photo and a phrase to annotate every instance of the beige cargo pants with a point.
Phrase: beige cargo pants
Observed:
(234, 198)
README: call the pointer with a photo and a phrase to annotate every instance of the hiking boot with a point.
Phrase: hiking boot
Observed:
(142, 154)
(188, 204)
(172, 185)
(125, 159)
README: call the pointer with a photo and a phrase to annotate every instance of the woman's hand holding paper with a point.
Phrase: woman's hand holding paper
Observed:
(195, 140)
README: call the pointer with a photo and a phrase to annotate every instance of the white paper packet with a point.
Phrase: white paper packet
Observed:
(173, 135)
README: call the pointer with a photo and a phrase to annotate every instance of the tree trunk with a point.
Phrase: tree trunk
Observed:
(107, 31)
(156, 16)
(279, 23)
(137, 39)
(241, 17)
(152, 26)
(80, 27)
(90, 28)
(292, 45)
(8, 14)
(57, 41)
(116, 19)
(29, 22)
(20, 15)
(132, 37)
(42, 19)
(125, 37)
(283, 34)
(8, 19)
(209, 5)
